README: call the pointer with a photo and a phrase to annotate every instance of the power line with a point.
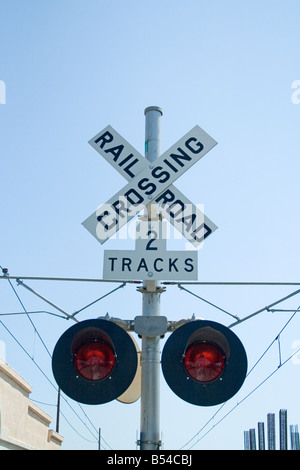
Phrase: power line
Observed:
(30, 313)
(206, 301)
(53, 385)
(180, 285)
(68, 279)
(267, 308)
(36, 364)
(230, 283)
(28, 316)
(97, 300)
(120, 281)
(240, 402)
(249, 394)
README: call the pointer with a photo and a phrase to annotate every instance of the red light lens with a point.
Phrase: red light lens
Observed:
(94, 360)
(204, 362)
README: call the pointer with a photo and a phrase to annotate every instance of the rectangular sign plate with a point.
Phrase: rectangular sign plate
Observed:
(167, 266)
(150, 260)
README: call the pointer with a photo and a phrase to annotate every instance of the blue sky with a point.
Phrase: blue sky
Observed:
(71, 68)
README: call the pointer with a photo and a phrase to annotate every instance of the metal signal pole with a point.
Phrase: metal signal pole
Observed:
(151, 291)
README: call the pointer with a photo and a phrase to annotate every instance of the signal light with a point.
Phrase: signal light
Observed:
(204, 363)
(94, 361)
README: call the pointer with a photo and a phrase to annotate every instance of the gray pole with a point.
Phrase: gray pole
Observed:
(252, 439)
(150, 358)
(283, 429)
(261, 436)
(58, 410)
(246, 440)
(295, 443)
(271, 431)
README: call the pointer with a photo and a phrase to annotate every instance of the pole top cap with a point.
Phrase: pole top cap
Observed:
(153, 108)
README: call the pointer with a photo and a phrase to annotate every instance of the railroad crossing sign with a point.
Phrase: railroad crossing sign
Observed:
(151, 183)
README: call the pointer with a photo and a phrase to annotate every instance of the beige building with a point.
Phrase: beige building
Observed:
(23, 425)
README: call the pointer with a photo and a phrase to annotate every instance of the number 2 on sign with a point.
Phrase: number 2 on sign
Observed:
(151, 241)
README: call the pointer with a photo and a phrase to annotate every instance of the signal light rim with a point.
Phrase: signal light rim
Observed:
(94, 392)
(195, 392)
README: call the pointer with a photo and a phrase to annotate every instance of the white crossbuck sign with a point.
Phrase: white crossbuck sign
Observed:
(151, 183)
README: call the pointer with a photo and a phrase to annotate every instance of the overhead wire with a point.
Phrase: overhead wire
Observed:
(51, 383)
(97, 300)
(250, 393)
(240, 320)
(69, 316)
(40, 369)
(267, 308)
(30, 313)
(28, 316)
(206, 301)
(239, 403)
(180, 285)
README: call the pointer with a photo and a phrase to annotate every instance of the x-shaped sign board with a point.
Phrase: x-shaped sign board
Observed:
(151, 183)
